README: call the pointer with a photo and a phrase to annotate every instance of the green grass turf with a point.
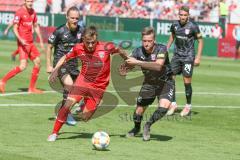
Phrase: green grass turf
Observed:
(212, 132)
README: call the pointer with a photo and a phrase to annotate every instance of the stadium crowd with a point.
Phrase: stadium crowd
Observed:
(200, 10)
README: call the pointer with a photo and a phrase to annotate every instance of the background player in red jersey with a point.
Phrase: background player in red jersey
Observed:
(93, 79)
(24, 21)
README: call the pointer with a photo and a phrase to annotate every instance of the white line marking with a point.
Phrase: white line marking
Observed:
(195, 93)
(119, 105)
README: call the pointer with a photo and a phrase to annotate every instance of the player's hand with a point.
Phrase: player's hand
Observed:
(122, 69)
(197, 62)
(42, 46)
(49, 69)
(131, 61)
(23, 42)
(5, 32)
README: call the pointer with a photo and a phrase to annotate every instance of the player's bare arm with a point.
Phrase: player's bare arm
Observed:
(157, 65)
(123, 53)
(37, 30)
(49, 58)
(15, 30)
(199, 51)
(170, 40)
(8, 27)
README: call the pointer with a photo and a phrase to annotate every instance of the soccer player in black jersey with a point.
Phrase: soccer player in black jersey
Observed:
(62, 40)
(185, 33)
(153, 60)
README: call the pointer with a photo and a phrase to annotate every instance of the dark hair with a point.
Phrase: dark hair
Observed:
(148, 31)
(90, 31)
(73, 8)
(184, 8)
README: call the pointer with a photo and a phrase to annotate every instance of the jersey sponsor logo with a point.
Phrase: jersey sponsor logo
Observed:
(187, 31)
(187, 68)
(101, 54)
(182, 37)
(65, 36)
(153, 57)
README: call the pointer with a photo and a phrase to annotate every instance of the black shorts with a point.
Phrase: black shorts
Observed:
(65, 70)
(237, 45)
(180, 66)
(148, 92)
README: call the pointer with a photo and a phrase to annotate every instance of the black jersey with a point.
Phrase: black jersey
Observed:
(63, 40)
(160, 52)
(185, 37)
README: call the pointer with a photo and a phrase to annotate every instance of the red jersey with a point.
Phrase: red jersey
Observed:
(95, 66)
(25, 20)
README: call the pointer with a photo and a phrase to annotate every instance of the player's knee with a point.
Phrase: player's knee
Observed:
(23, 67)
(71, 101)
(37, 62)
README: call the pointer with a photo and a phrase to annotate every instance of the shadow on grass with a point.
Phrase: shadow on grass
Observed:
(157, 137)
(26, 89)
(76, 135)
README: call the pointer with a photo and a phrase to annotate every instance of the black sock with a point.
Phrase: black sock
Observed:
(174, 92)
(137, 120)
(188, 92)
(158, 114)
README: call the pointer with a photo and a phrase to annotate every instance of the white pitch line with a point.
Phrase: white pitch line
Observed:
(119, 105)
(195, 93)
(21, 93)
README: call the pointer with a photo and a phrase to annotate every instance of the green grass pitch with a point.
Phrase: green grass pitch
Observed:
(212, 132)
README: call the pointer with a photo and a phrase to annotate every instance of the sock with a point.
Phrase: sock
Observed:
(188, 92)
(61, 119)
(57, 127)
(15, 53)
(11, 74)
(137, 120)
(34, 77)
(174, 92)
(158, 114)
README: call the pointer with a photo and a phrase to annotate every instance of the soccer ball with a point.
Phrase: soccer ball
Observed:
(100, 140)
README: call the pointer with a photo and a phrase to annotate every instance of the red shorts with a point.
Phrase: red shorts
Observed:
(92, 95)
(28, 51)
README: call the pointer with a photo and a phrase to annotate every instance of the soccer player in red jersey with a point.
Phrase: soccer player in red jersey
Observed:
(93, 79)
(24, 21)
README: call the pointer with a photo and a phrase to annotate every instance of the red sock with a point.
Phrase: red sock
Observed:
(34, 77)
(57, 127)
(61, 119)
(15, 52)
(11, 74)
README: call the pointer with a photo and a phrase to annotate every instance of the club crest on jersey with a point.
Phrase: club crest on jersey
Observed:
(101, 54)
(187, 31)
(153, 57)
(79, 35)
